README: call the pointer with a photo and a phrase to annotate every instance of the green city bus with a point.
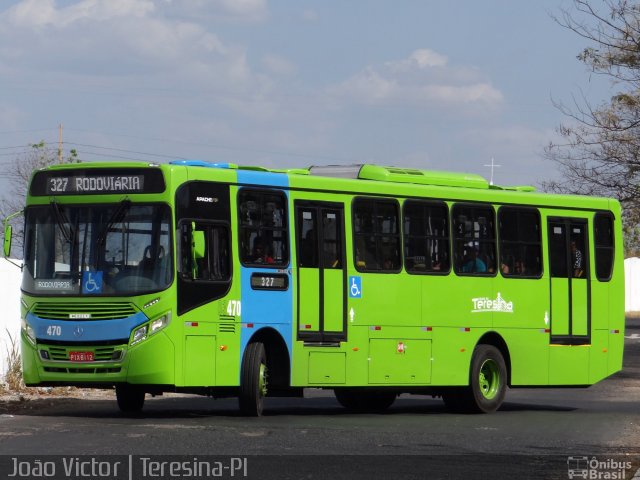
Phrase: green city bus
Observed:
(224, 280)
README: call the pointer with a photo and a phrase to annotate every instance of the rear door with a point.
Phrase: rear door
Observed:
(570, 283)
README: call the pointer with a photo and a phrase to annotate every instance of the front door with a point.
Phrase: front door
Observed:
(570, 285)
(322, 311)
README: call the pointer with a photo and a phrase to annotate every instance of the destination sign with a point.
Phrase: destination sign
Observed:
(269, 281)
(111, 183)
(97, 181)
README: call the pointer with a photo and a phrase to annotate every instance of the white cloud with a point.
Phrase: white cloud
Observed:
(423, 79)
(232, 10)
(38, 13)
(278, 65)
(419, 59)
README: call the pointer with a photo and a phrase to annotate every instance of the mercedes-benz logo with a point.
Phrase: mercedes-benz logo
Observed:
(78, 331)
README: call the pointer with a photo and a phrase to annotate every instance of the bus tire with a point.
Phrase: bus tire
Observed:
(487, 381)
(130, 398)
(364, 399)
(253, 380)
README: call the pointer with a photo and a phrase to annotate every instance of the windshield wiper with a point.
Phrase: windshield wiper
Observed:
(116, 217)
(63, 221)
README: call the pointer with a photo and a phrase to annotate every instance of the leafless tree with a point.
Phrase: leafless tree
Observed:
(599, 153)
(17, 174)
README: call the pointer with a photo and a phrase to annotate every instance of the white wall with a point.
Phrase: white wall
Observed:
(10, 278)
(632, 284)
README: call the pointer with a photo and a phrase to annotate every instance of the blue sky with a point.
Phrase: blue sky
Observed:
(283, 83)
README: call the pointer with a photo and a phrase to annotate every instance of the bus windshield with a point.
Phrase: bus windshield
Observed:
(116, 249)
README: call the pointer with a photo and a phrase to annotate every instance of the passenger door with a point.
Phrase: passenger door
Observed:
(321, 303)
(570, 283)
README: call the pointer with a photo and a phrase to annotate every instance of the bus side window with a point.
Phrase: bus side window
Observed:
(426, 237)
(205, 251)
(475, 243)
(262, 229)
(520, 242)
(604, 240)
(376, 235)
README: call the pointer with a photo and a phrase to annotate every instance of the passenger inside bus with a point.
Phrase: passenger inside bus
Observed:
(260, 254)
(472, 263)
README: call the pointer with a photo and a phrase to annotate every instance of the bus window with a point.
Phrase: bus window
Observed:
(376, 233)
(308, 240)
(603, 234)
(205, 251)
(263, 228)
(426, 237)
(520, 242)
(475, 243)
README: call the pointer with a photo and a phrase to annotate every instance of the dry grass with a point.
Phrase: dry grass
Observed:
(13, 381)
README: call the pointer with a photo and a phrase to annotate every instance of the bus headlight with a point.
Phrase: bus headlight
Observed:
(159, 323)
(142, 332)
(139, 334)
(26, 328)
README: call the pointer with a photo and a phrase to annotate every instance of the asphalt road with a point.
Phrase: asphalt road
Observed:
(531, 436)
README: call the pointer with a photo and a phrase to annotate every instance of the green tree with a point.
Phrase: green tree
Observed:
(17, 175)
(599, 151)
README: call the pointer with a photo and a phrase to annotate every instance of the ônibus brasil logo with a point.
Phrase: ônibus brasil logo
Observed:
(485, 304)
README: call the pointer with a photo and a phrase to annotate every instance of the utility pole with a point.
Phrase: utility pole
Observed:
(60, 144)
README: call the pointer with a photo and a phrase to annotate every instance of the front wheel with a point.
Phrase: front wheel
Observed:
(253, 380)
(487, 381)
(130, 398)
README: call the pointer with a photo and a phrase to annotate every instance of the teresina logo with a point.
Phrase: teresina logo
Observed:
(484, 304)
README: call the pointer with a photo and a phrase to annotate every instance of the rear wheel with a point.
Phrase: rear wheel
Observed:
(130, 398)
(364, 399)
(253, 380)
(487, 381)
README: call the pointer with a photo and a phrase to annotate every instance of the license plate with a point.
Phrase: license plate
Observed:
(81, 356)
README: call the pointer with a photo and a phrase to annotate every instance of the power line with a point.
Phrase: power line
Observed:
(223, 147)
(3, 132)
(126, 151)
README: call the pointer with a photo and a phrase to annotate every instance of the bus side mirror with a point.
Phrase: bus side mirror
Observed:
(197, 249)
(8, 232)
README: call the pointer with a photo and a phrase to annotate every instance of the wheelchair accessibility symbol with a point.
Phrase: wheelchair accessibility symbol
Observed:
(92, 282)
(355, 287)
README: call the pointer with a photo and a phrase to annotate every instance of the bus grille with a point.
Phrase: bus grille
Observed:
(227, 327)
(80, 311)
(90, 370)
(100, 354)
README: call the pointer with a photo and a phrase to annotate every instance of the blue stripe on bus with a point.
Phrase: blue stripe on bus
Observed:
(265, 308)
(84, 331)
